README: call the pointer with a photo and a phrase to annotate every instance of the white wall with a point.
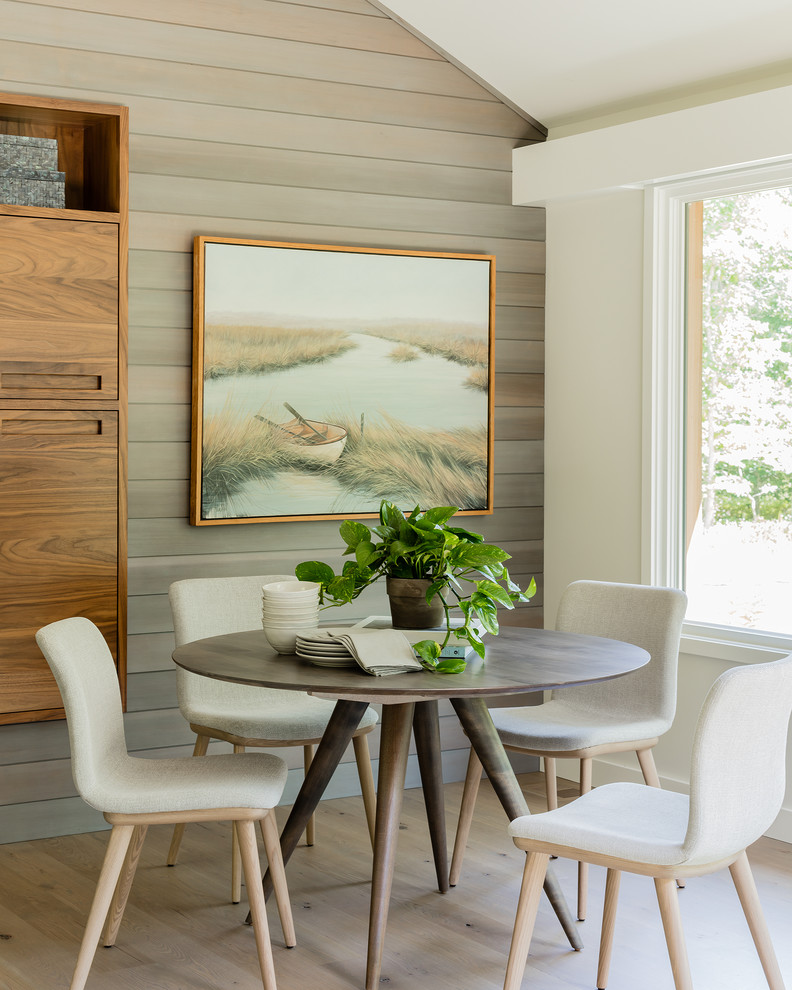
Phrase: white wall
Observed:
(592, 391)
(595, 313)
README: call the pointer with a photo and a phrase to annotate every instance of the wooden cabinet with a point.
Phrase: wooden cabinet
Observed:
(63, 328)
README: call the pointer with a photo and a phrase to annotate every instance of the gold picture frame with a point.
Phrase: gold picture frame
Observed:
(327, 377)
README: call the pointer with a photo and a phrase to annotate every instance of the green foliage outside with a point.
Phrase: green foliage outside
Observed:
(747, 350)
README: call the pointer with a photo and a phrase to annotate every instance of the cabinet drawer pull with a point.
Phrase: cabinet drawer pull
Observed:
(23, 428)
(51, 427)
(66, 382)
(31, 380)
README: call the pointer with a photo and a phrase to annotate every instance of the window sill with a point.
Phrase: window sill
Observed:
(732, 644)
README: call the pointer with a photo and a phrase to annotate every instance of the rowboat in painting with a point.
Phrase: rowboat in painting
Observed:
(320, 443)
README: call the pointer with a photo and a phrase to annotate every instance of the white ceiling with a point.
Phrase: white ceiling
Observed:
(561, 61)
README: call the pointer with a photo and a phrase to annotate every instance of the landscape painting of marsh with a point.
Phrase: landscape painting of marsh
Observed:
(327, 378)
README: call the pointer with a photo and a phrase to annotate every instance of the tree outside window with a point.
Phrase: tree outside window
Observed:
(739, 561)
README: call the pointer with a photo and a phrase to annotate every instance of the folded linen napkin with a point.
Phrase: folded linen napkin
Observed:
(325, 634)
(380, 651)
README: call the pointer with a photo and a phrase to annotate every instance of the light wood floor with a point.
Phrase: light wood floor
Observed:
(180, 932)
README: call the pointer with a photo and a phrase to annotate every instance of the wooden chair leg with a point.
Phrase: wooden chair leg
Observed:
(269, 833)
(582, 898)
(749, 899)
(612, 882)
(551, 782)
(201, 744)
(236, 861)
(120, 837)
(366, 775)
(310, 828)
(527, 907)
(466, 809)
(258, 908)
(124, 885)
(648, 768)
(672, 926)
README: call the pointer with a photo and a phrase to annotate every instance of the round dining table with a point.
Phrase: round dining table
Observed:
(518, 660)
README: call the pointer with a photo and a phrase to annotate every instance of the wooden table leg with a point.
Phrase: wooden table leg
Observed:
(340, 729)
(477, 723)
(394, 747)
(426, 729)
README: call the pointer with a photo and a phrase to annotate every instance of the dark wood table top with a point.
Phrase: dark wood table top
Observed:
(518, 659)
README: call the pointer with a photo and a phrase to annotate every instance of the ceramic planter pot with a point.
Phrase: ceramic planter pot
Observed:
(408, 606)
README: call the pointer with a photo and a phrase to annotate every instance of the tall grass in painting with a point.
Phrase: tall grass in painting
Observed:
(410, 466)
(382, 459)
(241, 350)
(477, 380)
(236, 450)
(402, 353)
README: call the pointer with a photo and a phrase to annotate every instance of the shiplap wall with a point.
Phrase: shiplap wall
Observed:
(317, 121)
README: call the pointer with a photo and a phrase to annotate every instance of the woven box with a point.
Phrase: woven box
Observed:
(32, 187)
(18, 151)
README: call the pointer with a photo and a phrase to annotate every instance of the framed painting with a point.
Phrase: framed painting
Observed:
(327, 378)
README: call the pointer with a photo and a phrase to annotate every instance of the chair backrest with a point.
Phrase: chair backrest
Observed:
(737, 774)
(86, 675)
(204, 607)
(646, 616)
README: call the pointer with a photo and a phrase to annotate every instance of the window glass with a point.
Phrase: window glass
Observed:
(738, 567)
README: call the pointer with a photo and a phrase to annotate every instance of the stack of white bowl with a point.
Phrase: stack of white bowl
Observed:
(288, 608)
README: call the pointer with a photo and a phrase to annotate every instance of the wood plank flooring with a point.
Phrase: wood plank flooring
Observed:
(181, 933)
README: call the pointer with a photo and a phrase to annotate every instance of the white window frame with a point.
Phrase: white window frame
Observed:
(663, 555)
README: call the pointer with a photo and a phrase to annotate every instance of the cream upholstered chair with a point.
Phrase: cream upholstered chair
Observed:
(737, 783)
(627, 713)
(241, 714)
(135, 793)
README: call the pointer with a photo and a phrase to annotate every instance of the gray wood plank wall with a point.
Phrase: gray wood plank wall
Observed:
(316, 121)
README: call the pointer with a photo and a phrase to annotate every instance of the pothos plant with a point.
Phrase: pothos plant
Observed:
(464, 571)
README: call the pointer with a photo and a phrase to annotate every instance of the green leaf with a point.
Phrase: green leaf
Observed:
(353, 532)
(314, 570)
(493, 590)
(496, 573)
(360, 576)
(390, 515)
(478, 646)
(527, 595)
(401, 549)
(486, 612)
(441, 514)
(341, 589)
(428, 650)
(452, 665)
(479, 555)
(435, 588)
(408, 534)
(365, 552)
(466, 535)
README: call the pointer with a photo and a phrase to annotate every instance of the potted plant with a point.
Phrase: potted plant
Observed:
(451, 567)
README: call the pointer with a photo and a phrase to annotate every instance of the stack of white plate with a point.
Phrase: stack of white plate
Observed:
(287, 609)
(320, 649)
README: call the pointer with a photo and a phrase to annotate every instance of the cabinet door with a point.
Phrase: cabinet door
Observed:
(58, 309)
(58, 542)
